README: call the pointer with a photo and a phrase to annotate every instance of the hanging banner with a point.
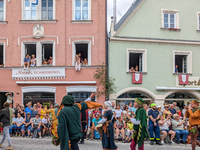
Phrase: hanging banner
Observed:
(137, 78)
(183, 79)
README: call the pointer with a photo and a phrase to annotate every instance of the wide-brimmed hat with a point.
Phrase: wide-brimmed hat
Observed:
(166, 106)
(175, 115)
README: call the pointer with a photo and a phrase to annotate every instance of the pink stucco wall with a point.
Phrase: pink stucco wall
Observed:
(64, 29)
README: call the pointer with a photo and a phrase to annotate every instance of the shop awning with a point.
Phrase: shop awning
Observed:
(162, 88)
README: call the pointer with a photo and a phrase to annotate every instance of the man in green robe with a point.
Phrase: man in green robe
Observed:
(69, 123)
(140, 125)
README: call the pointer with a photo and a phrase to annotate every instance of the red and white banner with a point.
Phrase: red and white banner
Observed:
(183, 79)
(137, 78)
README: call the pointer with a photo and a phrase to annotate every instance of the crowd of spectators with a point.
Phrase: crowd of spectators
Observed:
(31, 121)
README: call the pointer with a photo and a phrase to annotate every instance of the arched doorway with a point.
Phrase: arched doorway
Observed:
(180, 98)
(130, 96)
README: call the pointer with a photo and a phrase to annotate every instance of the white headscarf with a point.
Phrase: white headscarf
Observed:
(108, 104)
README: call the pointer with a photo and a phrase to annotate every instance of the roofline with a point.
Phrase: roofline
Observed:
(133, 8)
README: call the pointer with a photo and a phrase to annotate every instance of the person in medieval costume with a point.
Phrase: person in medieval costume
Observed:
(69, 123)
(108, 131)
(194, 120)
(54, 118)
(140, 125)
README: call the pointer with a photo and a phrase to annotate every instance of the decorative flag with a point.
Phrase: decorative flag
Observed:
(137, 78)
(183, 79)
(34, 2)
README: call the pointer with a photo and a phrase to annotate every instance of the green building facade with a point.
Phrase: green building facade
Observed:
(156, 36)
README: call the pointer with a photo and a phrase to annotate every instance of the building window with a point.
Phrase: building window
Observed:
(83, 49)
(44, 10)
(182, 62)
(1, 10)
(47, 9)
(30, 49)
(80, 96)
(137, 59)
(198, 20)
(1, 56)
(30, 11)
(47, 54)
(170, 19)
(82, 10)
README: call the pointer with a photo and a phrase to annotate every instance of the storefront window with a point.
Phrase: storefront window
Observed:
(80, 96)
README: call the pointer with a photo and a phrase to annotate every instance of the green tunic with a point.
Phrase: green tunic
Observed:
(69, 127)
(141, 130)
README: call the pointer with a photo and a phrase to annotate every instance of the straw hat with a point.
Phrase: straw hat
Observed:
(175, 115)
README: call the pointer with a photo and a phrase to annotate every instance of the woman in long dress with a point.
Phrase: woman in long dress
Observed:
(108, 132)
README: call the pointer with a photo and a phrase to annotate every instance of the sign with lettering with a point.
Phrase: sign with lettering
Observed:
(192, 81)
(38, 73)
(137, 78)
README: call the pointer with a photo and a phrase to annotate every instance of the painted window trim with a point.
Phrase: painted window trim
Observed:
(74, 49)
(38, 10)
(189, 61)
(170, 11)
(4, 52)
(144, 60)
(38, 51)
(74, 9)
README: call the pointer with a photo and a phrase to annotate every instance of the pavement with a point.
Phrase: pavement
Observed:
(20, 143)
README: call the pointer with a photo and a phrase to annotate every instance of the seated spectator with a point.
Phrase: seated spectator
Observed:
(34, 111)
(27, 61)
(175, 106)
(19, 123)
(77, 62)
(50, 61)
(159, 110)
(129, 131)
(45, 124)
(13, 126)
(26, 125)
(177, 126)
(45, 62)
(85, 62)
(171, 109)
(36, 124)
(132, 70)
(33, 61)
(94, 124)
(164, 127)
(176, 69)
(136, 68)
(117, 113)
(81, 58)
(166, 111)
(119, 126)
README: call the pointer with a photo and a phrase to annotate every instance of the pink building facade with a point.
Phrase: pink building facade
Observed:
(52, 28)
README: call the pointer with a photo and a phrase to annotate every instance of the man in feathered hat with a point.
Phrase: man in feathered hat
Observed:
(140, 125)
(69, 123)
(193, 114)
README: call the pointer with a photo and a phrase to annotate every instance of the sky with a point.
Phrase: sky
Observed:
(122, 7)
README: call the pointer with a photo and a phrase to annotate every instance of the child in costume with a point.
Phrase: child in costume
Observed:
(194, 120)
(140, 125)
(69, 123)
(108, 132)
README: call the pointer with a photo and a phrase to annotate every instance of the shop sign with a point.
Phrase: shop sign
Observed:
(183, 79)
(192, 81)
(38, 73)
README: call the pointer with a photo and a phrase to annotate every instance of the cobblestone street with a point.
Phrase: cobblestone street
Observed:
(45, 144)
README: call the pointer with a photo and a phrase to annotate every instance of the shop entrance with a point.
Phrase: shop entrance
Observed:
(180, 98)
(3, 99)
(42, 97)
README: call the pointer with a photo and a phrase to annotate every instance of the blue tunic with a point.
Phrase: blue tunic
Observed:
(108, 142)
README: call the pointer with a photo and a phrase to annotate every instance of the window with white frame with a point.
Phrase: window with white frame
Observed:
(82, 9)
(137, 59)
(44, 10)
(182, 62)
(83, 49)
(198, 20)
(47, 9)
(170, 19)
(43, 53)
(2, 10)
